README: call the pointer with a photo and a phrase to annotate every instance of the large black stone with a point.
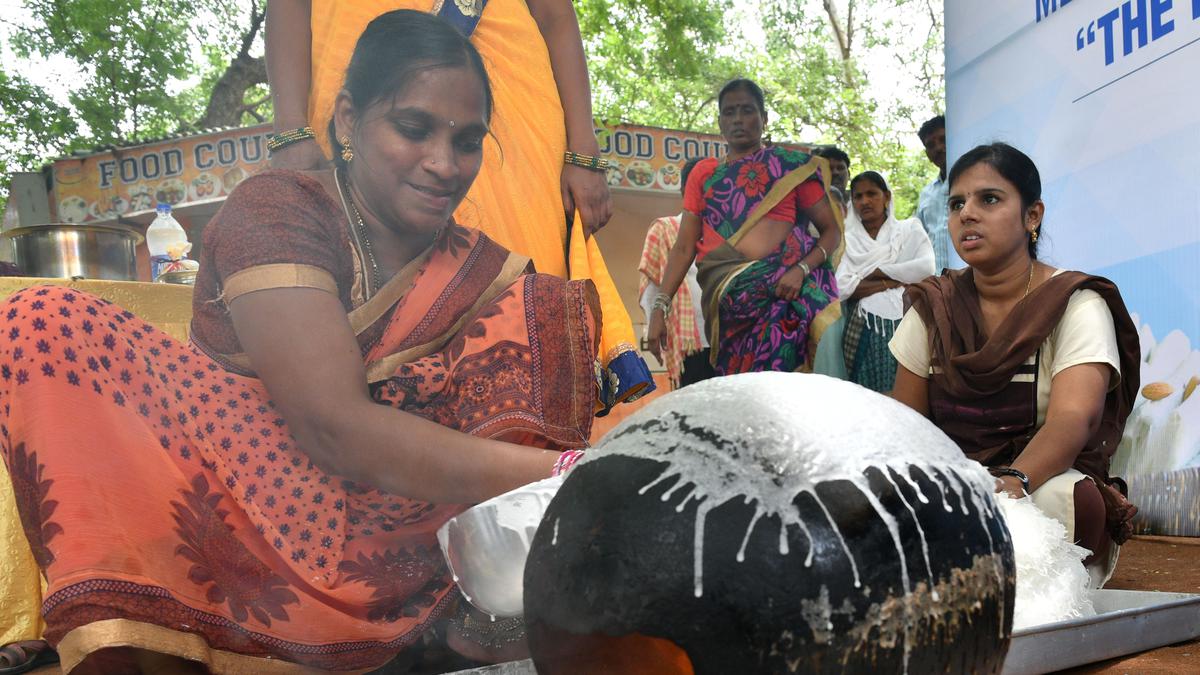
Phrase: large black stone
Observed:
(610, 567)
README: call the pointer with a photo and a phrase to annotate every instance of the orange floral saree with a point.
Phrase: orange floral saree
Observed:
(170, 509)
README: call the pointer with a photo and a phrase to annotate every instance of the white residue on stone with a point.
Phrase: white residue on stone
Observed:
(766, 438)
(920, 531)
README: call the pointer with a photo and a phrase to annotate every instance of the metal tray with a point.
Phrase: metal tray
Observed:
(524, 667)
(1126, 622)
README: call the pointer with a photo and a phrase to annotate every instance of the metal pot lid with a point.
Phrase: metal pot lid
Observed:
(94, 227)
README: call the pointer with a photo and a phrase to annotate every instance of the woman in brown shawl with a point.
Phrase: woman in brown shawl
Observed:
(1030, 369)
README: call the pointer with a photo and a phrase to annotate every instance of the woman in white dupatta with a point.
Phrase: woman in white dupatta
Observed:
(882, 256)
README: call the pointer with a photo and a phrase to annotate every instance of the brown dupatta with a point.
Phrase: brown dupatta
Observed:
(972, 365)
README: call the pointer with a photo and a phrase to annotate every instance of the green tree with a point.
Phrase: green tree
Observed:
(658, 63)
(32, 126)
(661, 64)
(155, 67)
(146, 68)
(833, 98)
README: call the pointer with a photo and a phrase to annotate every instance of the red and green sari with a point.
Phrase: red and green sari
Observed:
(751, 329)
(171, 510)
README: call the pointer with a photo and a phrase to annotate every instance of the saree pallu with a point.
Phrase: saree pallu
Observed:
(517, 197)
(170, 509)
(750, 328)
(869, 361)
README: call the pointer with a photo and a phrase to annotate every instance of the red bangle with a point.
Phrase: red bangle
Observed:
(566, 460)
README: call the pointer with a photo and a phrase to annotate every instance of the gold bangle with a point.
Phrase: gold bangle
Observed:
(585, 161)
(285, 138)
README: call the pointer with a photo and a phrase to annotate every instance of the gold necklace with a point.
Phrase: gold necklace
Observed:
(1029, 282)
(360, 229)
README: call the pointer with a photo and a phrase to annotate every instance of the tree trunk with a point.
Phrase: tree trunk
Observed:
(227, 102)
(844, 36)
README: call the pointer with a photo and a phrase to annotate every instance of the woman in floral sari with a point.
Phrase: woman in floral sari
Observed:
(265, 498)
(769, 289)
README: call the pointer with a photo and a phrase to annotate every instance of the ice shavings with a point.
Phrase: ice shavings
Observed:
(1052, 583)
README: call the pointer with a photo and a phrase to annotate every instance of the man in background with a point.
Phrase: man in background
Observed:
(839, 170)
(932, 208)
(686, 354)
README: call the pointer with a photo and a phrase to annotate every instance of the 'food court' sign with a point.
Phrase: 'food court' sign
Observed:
(207, 167)
(180, 172)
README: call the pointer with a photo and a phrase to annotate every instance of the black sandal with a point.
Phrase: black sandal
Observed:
(25, 655)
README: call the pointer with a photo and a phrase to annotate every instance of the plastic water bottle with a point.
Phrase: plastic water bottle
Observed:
(164, 234)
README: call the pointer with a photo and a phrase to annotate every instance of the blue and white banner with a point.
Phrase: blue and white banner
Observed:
(1104, 95)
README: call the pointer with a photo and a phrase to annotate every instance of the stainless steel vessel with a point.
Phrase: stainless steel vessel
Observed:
(486, 546)
(65, 250)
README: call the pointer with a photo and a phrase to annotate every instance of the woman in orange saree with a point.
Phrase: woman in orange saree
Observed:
(525, 197)
(266, 497)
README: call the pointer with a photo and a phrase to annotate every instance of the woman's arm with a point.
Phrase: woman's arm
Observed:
(871, 286)
(1076, 408)
(303, 349)
(289, 72)
(683, 254)
(582, 189)
(829, 238)
(912, 390)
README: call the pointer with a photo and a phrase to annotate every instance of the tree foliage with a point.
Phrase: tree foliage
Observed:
(661, 64)
(127, 52)
(145, 68)
(154, 67)
(655, 62)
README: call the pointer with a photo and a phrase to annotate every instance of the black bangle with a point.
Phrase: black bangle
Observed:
(1015, 473)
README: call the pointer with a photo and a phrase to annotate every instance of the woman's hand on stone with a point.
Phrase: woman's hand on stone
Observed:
(1011, 485)
(586, 191)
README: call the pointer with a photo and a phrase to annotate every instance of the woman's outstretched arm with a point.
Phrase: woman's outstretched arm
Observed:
(302, 347)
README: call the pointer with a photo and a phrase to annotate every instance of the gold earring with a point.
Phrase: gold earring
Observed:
(347, 151)
(1033, 236)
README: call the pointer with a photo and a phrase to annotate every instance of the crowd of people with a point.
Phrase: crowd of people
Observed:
(409, 315)
(877, 257)
(1032, 370)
